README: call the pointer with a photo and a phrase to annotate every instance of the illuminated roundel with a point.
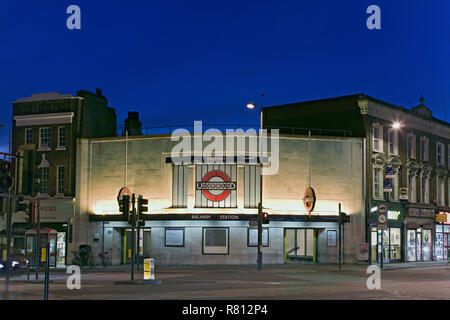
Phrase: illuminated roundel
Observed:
(216, 185)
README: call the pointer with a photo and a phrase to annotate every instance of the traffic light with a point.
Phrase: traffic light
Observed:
(20, 205)
(5, 176)
(36, 174)
(265, 218)
(342, 217)
(124, 207)
(141, 208)
(30, 216)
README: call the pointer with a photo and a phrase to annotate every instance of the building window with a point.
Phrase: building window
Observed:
(252, 186)
(423, 149)
(440, 194)
(440, 158)
(412, 187)
(377, 138)
(60, 182)
(28, 136)
(378, 183)
(61, 137)
(43, 181)
(44, 138)
(174, 237)
(179, 186)
(215, 241)
(411, 146)
(394, 193)
(424, 189)
(252, 237)
(393, 141)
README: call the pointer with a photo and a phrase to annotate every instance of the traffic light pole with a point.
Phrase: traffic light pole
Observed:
(133, 239)
(260, 217)
(8, 246)
(38, 239)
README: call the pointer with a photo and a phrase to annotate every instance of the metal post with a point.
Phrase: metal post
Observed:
(340, 248)
(8, 248)
(260, 214)
(47, 269)
(382, 249)
(38, 240)
(133, 214)
(138, 244)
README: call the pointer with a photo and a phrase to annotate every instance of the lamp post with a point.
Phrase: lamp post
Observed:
(396, 125)
(252, 106)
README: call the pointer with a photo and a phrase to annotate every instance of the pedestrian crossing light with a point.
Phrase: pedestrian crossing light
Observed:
(29, 218)
(124, 207)
(265, 218)
(5, 176)
(142, 207)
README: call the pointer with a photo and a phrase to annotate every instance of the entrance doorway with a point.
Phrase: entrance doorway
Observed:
(300, 244)
(144, 242)
(419, 245)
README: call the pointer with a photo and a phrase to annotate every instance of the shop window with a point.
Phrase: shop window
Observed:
(252, 186)
(174, 237)
(252, 237)
(179, 186)
(215, 241)
(442, 243)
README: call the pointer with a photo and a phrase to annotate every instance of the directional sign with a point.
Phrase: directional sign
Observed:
(382, 220)
(403, 194)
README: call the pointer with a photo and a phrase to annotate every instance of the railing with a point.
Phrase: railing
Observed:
(168, 129)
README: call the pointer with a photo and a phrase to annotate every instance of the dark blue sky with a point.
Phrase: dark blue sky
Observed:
(180, 61)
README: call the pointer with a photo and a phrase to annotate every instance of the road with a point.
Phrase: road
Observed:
(243, 282)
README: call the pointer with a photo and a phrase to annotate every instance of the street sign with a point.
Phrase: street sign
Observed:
(390, 173)
(441, 218)
(382, 220)
(387, 185)
(403, 194)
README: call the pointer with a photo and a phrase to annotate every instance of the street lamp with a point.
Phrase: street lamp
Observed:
(252, 106)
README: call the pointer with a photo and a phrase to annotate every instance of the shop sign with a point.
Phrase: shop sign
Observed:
(390, 172)
(393, 215)
(420, 213)
(363, 251)
(403, 195)
(216, 186)
(442, 218)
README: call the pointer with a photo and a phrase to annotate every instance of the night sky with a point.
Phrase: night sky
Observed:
(180, 61)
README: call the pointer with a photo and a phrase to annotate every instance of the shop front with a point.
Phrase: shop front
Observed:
(442, 232)
(387, 243)
(419, 235)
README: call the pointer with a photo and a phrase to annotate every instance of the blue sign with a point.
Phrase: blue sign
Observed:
(387, 185)
(390, 173)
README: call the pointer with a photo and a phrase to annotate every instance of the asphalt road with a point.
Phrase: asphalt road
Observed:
(242, 282)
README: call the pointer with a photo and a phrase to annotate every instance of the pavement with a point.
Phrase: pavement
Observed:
(424, 281)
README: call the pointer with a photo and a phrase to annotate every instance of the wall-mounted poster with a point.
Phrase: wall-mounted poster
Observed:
(174, 237)
(215, 241)
(332, 238)
(253, 237)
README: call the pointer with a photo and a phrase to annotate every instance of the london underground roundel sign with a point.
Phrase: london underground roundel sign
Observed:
(216, 185)
(309, 199)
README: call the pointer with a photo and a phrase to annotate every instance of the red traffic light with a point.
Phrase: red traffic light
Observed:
(265, 218)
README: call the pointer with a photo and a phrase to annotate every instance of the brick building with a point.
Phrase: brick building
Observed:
(50, 124)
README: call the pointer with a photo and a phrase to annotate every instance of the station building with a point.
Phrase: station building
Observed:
(204, 212)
